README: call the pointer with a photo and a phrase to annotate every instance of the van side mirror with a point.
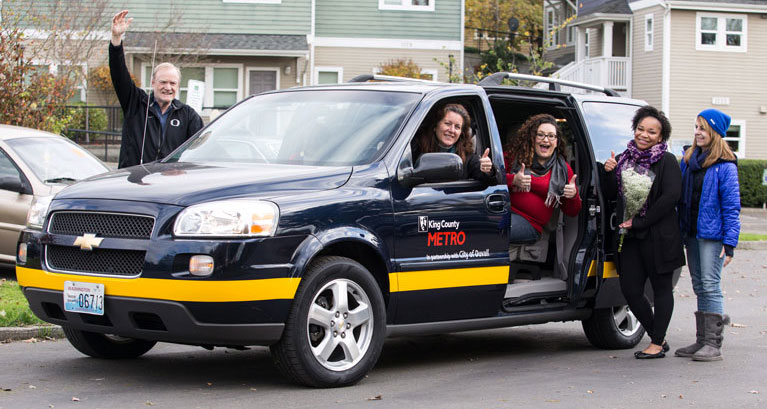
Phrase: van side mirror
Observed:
(434, 168)
(13, 184)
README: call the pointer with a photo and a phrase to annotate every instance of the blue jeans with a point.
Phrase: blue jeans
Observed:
(521, 231)
(706, 272)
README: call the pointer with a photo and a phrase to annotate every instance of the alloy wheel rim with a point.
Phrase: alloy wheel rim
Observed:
(340, 325)
(625, 321)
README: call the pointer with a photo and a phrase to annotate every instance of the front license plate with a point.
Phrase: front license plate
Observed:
(82, 297)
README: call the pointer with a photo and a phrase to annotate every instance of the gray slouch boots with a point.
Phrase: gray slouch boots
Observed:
(709, 336)
(690, 350)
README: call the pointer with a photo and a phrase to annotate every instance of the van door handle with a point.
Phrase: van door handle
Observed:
(496, 203)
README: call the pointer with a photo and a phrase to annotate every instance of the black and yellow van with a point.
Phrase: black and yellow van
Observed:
(299, 220)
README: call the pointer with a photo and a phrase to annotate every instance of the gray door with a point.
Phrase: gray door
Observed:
(261, 81)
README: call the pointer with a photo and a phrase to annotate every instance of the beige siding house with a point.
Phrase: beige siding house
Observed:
(682, 56)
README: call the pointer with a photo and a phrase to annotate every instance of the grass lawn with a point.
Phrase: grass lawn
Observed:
(14, 309)
(752, 237)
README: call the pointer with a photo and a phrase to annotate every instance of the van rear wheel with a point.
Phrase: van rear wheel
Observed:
(613, 328)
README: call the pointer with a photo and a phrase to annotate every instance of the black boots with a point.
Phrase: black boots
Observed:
(708, 337)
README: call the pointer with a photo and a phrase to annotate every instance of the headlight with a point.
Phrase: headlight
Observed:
(38, 211)
(228, 218)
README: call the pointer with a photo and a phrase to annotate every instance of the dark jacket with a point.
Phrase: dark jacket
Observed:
(659, 227)
(719, 206)
(182, 123)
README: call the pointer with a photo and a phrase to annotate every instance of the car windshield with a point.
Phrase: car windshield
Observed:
(609, 127)
(56, 160)
(313, 127)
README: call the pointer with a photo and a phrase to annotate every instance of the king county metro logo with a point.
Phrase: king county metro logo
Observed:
(423, 224)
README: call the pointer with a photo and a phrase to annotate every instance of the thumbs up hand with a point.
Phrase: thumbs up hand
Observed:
(611, 163)
(521, 180)
(485, 163)
(570, 189)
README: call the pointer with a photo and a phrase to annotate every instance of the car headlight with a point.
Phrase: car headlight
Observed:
(228, 218)
(38, 211)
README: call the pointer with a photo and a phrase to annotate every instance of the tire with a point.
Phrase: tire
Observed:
(106, 346)
(613, 328)
(336, 326)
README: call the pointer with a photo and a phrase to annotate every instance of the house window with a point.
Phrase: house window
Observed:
(586, 43)
(75, 73)
(189, 73)
(414, 5)
(648, 32)
(552, 34)
(328, 75)
(570, 32)
(721, 32)
(736, 137)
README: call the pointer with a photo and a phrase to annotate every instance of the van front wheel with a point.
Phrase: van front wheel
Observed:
(613, 328)
(336, 327)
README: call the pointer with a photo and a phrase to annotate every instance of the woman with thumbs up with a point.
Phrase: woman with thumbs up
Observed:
(539, 179)
(451, 133)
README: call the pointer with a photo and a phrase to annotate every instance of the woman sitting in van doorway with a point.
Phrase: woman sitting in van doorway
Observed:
(651, 246)
(710, 222)
(539, 178)
(451, 133)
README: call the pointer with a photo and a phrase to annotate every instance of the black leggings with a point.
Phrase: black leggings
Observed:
(636, 266)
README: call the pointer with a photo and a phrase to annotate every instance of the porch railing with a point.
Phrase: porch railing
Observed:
(608, 72)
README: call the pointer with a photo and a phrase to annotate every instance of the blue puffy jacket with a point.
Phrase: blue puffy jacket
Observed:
(719, 208)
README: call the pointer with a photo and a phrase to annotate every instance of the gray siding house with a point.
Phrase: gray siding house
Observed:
(682, 56)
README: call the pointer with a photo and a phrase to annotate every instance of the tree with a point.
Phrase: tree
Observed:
(30, 97)
(403, 68)
(42, 71)
(491, 18)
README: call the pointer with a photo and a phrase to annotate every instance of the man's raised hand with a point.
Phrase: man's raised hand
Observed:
(120, 25)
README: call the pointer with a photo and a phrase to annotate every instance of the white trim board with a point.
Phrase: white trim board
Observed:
(404, 43)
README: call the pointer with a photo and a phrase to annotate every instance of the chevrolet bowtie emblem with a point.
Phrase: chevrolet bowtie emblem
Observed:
(88, 241)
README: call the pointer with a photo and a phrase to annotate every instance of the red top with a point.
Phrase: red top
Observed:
(531, 205)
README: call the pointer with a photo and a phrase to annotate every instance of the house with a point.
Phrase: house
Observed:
(243, 47)
(680, 55)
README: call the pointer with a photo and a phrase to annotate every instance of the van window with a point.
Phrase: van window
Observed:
(609, 126)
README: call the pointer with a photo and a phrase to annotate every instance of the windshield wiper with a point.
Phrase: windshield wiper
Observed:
(67, 180)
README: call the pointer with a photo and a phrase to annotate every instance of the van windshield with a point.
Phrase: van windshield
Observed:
(312, 127)
(609, 126)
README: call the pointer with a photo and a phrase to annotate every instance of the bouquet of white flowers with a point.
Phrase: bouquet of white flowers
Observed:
(637, 182)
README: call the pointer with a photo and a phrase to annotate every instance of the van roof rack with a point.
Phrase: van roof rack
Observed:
(554, 83)
(387, 78)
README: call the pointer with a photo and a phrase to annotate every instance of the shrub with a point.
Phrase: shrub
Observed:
(97, 118)
(752, 192)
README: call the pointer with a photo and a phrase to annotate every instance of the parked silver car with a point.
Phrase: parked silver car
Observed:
(35, 163)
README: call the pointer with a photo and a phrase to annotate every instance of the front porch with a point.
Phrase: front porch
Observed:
(607, 72)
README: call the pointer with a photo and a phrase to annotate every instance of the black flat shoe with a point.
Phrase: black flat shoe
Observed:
(644, 355)
(665, 346)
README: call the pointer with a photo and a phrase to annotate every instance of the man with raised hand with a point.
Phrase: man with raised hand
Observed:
(168, 122)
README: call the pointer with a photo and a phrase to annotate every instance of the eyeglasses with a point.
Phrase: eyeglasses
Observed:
(549, 136)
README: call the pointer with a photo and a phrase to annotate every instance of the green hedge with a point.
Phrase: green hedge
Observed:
(752, 192)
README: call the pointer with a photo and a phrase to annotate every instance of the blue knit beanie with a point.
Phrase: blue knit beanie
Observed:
(718, 120)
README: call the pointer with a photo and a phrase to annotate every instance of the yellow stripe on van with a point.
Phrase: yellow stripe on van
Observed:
(608, 270)
(457, 277)
(175, 290)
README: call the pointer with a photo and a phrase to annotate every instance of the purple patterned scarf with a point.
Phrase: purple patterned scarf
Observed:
(632, 156)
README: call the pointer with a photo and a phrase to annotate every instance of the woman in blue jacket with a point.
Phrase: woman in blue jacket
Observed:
(710, 224)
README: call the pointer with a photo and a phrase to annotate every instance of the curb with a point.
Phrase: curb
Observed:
(752, 245)
(8, 334)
